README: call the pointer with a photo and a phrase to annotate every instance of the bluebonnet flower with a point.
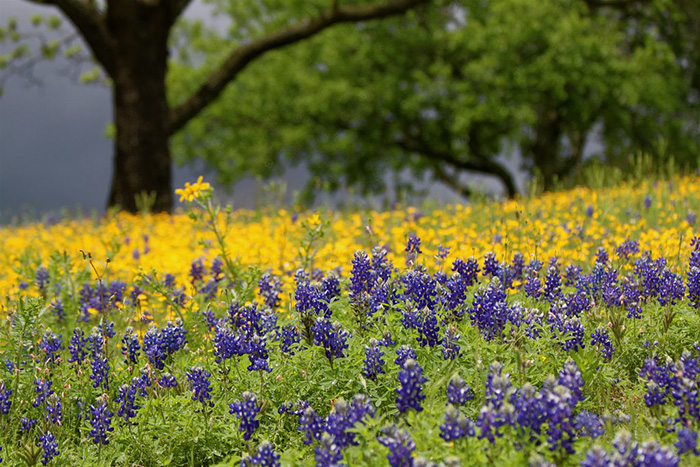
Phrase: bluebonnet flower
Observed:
(428, 329)
(333, 338)
(197, 271)
(99, 367)
(265, 457)
(246, 411)
(404, 353)
(671, 288)
(346, 416)
(552, 283)
(160, 344)
(5, 398)
(381, 265)
(650, 274)
(257, 354)
(458, 392)
(456, 425)
(489, 311)
(227, 342)
(54, 410)
(690, 218)
(534, 267)
(693, 284)
(627, 249)
(570, 377)
(126, 398)
(572, 273)
(169, 280)
(412, 249)
(653, 454)
(386, 339)
(101, 421)
(498, 385)
(130, 346)
(647, 201)
(42, 388)
(290, 339)
(400, 444)
(116, 291)
(659, 379)
(270, 289)
(572, 332)
(420, 289)
(589, 210)
(328, 453)
(601, 339)
(167, 381)
(362, 278)
(57, 308)
(410, 393)
(305, 294)
(687, 442)
(601, 256)
(533, 287)
(468, 271)
(42, 278)
(106, 328)
(210, 318)
(410, 318)
(450, 348)
(455, 295)
(199, 381)
(27, 424)
(529, 413)
(442, 253)
(173, 336)
(217, 269)
(51, 344)
(491, 266)
(144, 381)
(374, 364)
(77, 347)
(559, 406)
(517, 267)
(589, 424)
(49, 447)
(311, 424)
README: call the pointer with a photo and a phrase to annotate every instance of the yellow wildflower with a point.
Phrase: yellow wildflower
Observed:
(314, 221)
(191, 192)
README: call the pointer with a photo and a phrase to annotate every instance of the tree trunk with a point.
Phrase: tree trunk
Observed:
(544, 148)
(141, 151)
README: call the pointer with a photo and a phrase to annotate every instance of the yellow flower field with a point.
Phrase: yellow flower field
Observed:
(571, 225)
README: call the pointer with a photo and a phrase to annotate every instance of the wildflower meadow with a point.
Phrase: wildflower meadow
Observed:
(561, 329)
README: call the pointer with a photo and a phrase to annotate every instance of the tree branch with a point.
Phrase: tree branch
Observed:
(244, 54)
(91, 25)
(452, 181)
(486, 166)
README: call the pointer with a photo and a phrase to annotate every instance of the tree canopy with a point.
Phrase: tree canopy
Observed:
(449, 90)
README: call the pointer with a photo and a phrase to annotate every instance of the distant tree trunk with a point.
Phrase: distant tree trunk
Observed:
(544, 147)
(141, 150)
(129, 38)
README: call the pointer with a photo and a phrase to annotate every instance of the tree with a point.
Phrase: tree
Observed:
(443, 91)
(131, 41)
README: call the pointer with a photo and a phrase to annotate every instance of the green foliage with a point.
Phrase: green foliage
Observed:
(457, 81)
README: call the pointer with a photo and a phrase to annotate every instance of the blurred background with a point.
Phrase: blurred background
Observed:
(439, 99)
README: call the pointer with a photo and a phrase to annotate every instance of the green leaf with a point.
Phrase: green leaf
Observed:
(54, 22)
